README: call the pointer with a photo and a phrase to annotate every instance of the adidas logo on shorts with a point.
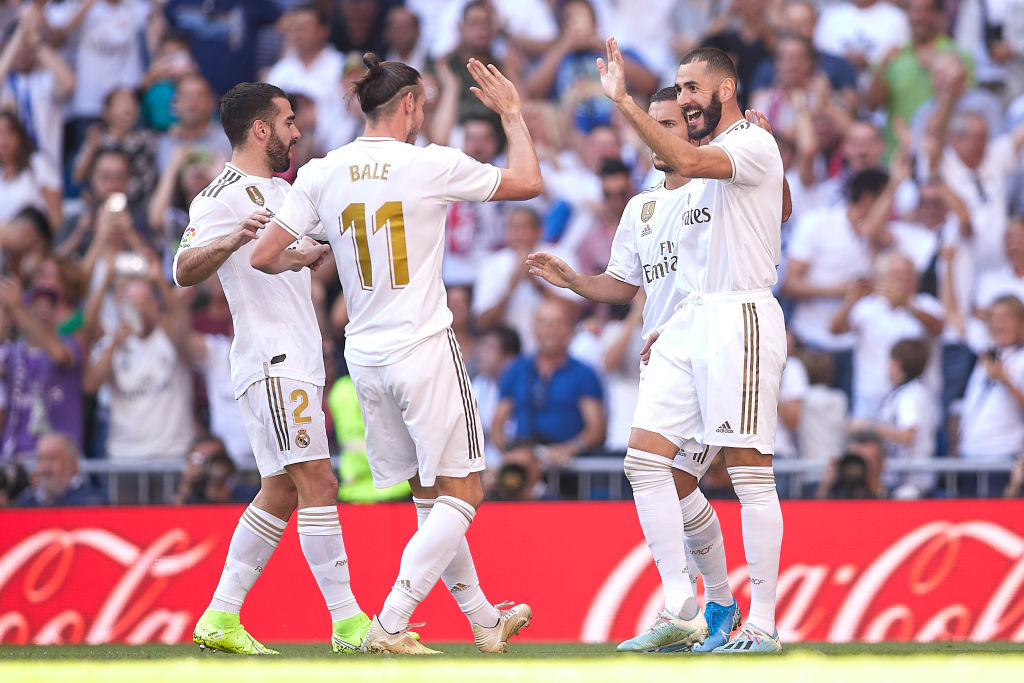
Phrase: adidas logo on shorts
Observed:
(724, 428)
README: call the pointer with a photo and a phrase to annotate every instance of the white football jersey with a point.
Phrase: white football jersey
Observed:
(729, 239)
(383, 205)
(645, 252)
(276, 331)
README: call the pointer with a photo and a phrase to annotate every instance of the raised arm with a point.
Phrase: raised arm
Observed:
(708, 161)
(604, 287)
(192, 265)
(521, 180)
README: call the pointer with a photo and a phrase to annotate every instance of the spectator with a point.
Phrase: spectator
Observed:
(865, 451)
(792, 391)
(25, 239)
(42, 372)
(620, 346)
(567, 72)
(56, 481)
(354, 476)
(171, 63)
(402, 35)
(851, 479)
(988, 31)
(907, 419)
(880, 319)
(862, 31)
(36, 82)
(13, 480)
(189, 172)
(504, 293)
(27, 178)
(555, 399)
(211, 477)
(991, 425)
(1008, 280)
(904, 80)
(194, 105)
(832, 249)
(459, 303)
(801, 17)
(107, 48)
(821, 422)
(521, 475)
(595, 247)
(359, 26)
(222, 34)
(498, 348)
(311, 66)
(118, 131)
(142, 362)
(747, 38)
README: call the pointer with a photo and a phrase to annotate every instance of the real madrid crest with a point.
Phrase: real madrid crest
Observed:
(302, 439)
(647, 211)
(255, 195)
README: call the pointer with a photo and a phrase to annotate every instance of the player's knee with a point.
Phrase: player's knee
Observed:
(685, 482)
(646, 470)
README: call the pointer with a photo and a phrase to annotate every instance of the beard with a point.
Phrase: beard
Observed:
(710, 116)
(278, 154)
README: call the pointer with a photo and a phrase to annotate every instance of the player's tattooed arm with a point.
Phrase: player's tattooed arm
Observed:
(603, 287)
(195, 264)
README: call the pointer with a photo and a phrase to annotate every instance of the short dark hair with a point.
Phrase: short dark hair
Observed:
(532, 213)
(866, 437)
(476, 4)
(819, 366)
(108, 151)
(912, 355)
(665, 95)
(797, 38)
(377, 89)
(868, 181)
(321, 16)
(23, 155)
(508, 339)
(244, 104)
(718, 61)
(610, 167)
(109, 97)
(38, 220)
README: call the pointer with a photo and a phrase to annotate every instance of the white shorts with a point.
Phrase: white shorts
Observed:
(696, 463)
(420, 415)
(284, 419)
(714, 374)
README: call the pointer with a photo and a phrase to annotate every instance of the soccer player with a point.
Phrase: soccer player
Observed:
(715, 370)
(276, 367)
(644, 255)
(381, 201)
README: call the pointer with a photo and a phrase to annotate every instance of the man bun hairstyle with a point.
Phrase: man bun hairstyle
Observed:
(382, 85)
(244, 104)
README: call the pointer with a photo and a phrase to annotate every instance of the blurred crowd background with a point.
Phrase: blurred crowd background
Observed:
(900, 126)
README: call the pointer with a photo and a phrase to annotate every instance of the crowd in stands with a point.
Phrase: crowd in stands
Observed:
(901, 127)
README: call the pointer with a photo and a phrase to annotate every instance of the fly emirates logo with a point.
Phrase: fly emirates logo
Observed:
(664, 264)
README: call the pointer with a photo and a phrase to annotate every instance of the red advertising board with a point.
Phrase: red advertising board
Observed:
(867, 571)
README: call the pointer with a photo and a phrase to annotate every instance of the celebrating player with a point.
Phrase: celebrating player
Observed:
(716, 368)
(644, 255)
(276, 367)
(381, 201)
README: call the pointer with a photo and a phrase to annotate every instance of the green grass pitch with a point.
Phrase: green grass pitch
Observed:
(526, 663)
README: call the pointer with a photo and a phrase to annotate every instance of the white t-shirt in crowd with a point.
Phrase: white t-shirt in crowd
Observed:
(26, 189)
(911, 405)
(991, 420)
(645, 249)
(730, 239)
(108, 53)
(822, 424)
(834, 253)
(276, 330)
(150, 399)
(320, 80)
(878, 326)
(985, 190)
(34, 97)
(996, 283)
(383, 205)
(492, 282)
(915, 241)
(871, 31)
(226, 421)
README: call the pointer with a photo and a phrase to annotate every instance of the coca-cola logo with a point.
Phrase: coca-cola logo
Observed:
(914, 589)
(45, 563)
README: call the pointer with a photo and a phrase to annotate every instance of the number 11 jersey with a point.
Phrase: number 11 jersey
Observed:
(382, 205)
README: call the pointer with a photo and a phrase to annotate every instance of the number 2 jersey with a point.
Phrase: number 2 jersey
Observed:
(382, 205)
(276, 331)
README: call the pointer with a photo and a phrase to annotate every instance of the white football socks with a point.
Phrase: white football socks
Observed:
(761, 516)
(429, 551)
(661, 519)
(460, 577)
(704, 547)
(257, 534)
(324, 548)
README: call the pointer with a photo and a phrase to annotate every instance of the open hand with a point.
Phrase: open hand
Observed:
(551, 268)
(246, 230)
(613, 74)
(494, 90)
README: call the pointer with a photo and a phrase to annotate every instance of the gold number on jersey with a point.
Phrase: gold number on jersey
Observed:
(302, 398)
(390, 215)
